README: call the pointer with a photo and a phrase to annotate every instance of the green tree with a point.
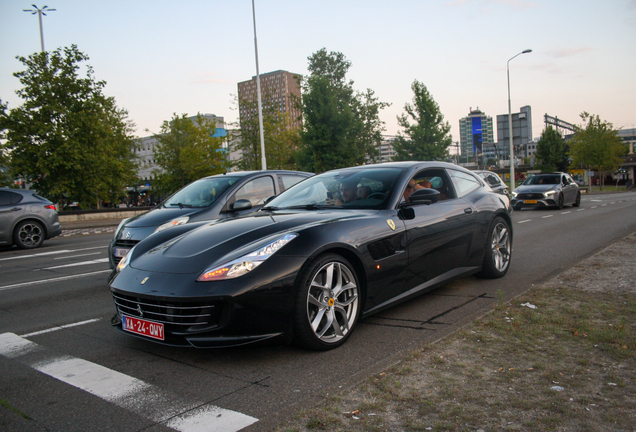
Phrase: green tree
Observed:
(596, 145)
(5, 177)
(551, 151)
(281, 140)
(427, 137)
(68, 139)
(341, 127)
(186, 152)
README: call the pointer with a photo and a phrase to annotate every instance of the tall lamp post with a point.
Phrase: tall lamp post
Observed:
(40, 12)
(512, 164)
(258, 91)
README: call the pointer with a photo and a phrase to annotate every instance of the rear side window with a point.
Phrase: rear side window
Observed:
(8, 198)
(464, 183)
(492, 180)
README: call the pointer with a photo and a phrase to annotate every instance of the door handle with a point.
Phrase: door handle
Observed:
(468, 210)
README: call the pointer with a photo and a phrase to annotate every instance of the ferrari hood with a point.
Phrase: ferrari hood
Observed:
(220, 241)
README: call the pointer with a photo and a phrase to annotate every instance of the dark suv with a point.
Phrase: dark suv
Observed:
(215, 197)
(26, 219)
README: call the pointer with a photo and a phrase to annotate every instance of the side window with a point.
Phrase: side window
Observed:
(256, 190)
(464, 183)
(430, 179)
(287, 181)
(493, 180)
(7, 198)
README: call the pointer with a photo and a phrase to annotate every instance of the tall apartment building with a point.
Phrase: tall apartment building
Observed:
(521, 132)
(386, 148)
(279, 89)
(476, 133)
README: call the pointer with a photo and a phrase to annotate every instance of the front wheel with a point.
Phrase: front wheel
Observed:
(560, 202)
(327, 303)
(498, 250)
(578, 200)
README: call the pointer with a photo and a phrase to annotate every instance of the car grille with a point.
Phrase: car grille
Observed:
(530, 196)
(178, 317)
(126, 244)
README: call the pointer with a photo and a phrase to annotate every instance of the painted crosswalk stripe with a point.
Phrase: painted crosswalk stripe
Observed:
(127, 392)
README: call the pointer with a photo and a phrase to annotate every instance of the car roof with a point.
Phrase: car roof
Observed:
(253, 173)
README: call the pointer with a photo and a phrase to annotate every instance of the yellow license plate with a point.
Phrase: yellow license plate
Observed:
(529, 201)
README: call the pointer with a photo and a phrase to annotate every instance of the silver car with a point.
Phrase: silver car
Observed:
(547, 190)
(26, 219)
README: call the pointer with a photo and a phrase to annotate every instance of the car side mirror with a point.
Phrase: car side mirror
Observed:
(240, 205)
(424, 196)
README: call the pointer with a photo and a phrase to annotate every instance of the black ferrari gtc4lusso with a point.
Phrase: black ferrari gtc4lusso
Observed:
(331, 249)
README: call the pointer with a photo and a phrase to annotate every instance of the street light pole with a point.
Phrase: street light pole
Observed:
(40, 12)
(512, 165)
(258, 91)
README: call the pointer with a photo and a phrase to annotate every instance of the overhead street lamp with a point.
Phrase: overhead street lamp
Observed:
(40, 12)
(258, 91)
(512, 164)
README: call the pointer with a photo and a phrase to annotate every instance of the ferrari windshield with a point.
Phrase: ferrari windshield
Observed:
(350, 188)
(201, 193)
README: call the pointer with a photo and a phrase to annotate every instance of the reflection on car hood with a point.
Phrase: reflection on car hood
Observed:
(158, 216)
(216, 242)
(535, 188)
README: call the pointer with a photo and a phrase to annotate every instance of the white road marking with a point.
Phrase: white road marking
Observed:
(566, 212)
(127, 392)
(594, 206)
(39, 282)
(77, 256)
(524, 221)
(580, 209)
(37, 333)
(548, 216)
(35, 255)
(97, 261)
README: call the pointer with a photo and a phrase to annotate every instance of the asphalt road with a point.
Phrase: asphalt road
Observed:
(63, 368)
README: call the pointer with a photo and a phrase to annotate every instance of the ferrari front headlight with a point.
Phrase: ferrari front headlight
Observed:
(246, 263)
(125, 260)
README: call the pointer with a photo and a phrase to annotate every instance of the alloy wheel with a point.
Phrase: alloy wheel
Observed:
(500, 247)
(30, 235)
(332, 302)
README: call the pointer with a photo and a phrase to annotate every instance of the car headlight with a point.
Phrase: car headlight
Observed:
(173, 223)
(125, 260)
(514, 194)
(549, 193)
(246, 263)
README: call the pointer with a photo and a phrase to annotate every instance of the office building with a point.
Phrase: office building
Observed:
(521, 131)
(279, 89)
(476, 134)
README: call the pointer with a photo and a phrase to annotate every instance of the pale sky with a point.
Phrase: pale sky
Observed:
(163, 57)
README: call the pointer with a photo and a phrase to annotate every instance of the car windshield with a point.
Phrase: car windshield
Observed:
(542, 179)
(201, 193)
(345, 189)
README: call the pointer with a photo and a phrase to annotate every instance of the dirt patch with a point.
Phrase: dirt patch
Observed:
(561, 357)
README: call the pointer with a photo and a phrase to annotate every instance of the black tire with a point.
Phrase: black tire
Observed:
(328, 303)
(560, 201)
(577, 203)
(498, 251)
(28, 235)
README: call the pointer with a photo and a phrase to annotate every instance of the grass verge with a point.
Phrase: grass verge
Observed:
(561, 357)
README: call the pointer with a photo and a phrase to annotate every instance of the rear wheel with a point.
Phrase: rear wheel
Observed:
(498, 250)
(327, 303)
(28, 235)
(578, 200)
